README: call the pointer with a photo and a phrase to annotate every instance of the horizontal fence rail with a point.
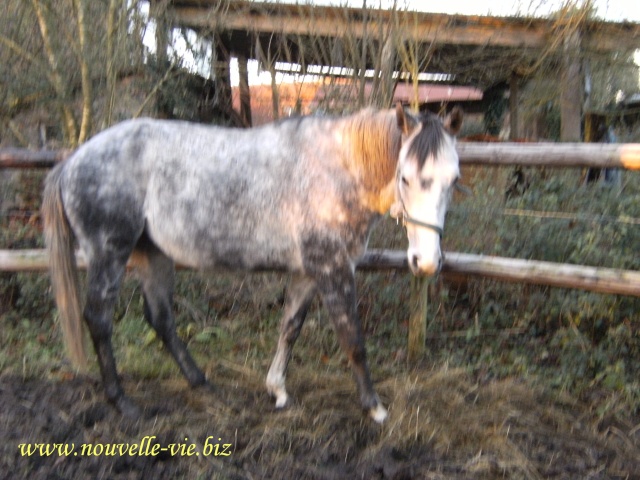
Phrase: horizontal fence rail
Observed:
(602, 155)
(25, 158)
(594, 279)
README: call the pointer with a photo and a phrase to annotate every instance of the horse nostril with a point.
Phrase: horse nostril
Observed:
(414, 261)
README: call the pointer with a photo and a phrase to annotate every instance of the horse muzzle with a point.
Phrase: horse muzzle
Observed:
(424, 266)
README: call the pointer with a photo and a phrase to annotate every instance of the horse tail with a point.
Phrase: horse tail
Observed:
(63, 269)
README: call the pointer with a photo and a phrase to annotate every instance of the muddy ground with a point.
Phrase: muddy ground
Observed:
(443, 424)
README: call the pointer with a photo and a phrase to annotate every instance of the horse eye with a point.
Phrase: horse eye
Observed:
(405, 181)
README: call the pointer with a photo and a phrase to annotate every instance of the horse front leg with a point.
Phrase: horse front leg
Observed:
(299, 296)
(339, 294)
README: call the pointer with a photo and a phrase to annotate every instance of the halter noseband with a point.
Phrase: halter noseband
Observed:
(406, 218)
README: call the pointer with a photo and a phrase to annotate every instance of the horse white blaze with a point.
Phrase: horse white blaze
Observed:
(425, 196)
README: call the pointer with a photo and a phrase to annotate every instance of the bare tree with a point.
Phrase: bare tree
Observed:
(75, 46)
(52, 54)
(83, 61)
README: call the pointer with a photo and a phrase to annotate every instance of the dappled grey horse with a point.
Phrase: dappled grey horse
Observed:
(299, 195)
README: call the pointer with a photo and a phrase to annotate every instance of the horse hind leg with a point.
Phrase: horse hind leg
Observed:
(299, 296)
(156, 272)
(104, 277)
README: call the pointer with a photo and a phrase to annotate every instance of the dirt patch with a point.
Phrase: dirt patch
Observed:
(441, 425)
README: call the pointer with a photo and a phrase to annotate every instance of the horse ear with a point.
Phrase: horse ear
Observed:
(453, 121)
(406, 122)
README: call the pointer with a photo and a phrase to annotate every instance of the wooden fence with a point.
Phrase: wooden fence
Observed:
(594, 279)
(602, 155)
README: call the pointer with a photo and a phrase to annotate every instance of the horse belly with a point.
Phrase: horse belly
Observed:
(216, 230)
(230, 251)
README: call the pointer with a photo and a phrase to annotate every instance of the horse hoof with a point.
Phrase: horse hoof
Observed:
(198, 380)
(378, 413)
(283, 402)
(128, 408)
(204, 387)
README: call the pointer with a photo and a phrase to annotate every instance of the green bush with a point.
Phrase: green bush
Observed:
(575, 340)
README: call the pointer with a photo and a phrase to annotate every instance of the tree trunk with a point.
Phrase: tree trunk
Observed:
(87, 87)
(57, 82)
(112, 74)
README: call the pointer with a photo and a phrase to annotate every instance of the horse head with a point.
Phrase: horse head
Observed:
(427, 172)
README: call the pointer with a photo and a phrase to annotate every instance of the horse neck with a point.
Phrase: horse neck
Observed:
(374, 142)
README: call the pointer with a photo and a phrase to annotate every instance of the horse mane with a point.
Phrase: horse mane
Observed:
(374, 142)
(429, 141)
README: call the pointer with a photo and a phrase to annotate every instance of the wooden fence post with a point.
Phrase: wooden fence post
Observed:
(221, 74)
(163, 32)
(245, 92)
(417, 319)
(572, 88)
(514, 111)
